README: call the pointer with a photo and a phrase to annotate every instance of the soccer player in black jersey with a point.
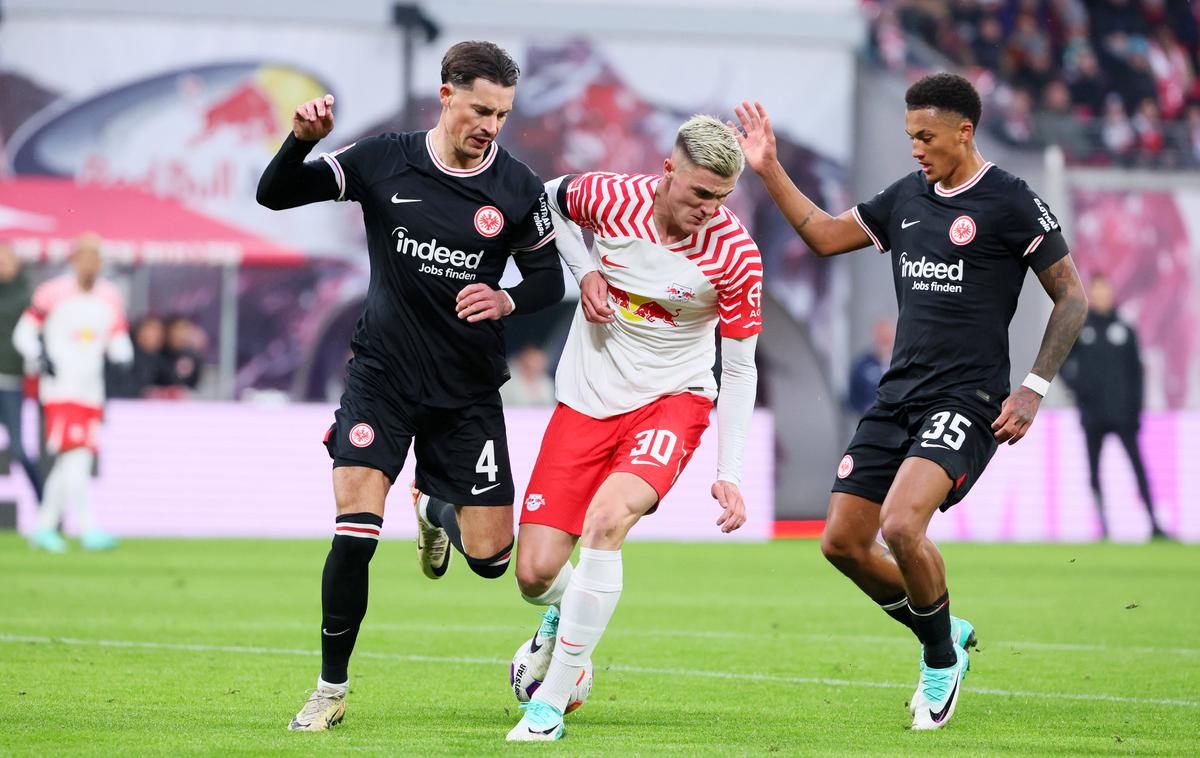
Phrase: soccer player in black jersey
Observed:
(443, 210)
(962, 233)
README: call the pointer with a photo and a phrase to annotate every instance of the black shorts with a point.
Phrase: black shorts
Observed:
(955, 434)
(462, 453)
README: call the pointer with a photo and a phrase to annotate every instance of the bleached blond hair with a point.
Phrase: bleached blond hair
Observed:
(708, 143)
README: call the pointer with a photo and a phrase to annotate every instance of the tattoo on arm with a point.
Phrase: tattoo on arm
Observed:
(804, 223)
(1062, 284)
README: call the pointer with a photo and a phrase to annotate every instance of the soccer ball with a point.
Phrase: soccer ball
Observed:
(524, 685)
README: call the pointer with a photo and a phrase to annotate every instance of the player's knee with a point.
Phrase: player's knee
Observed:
(606, 522)
(533, 580)
(492, 567)
(901, 534)
(839, 550)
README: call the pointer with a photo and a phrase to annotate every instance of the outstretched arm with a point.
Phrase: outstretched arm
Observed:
(823, 233)
(1061, 282)
(289, 181)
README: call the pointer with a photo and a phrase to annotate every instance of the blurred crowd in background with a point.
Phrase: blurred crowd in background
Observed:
(1112, 82)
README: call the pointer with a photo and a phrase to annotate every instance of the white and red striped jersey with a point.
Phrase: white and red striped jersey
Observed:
(78, 329)
(668, 299)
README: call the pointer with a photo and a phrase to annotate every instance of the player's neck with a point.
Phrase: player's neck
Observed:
(85, 285)
(447, 154)
(964, 172)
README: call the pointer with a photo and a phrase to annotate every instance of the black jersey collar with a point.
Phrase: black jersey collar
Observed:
(965, 185)
(484, 164)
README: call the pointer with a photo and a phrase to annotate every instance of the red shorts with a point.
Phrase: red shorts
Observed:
(578, 453)
(70, 426)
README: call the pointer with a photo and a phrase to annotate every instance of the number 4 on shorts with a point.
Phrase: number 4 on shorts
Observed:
(487, 461)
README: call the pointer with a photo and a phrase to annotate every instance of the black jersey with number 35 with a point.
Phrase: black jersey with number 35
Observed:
(432, 230)
(959, 258)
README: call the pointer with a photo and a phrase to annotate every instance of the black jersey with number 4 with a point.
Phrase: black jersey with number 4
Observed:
(959, 258)
(432, 230)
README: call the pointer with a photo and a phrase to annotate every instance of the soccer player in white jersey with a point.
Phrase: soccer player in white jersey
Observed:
(635, 387)
(72, 324)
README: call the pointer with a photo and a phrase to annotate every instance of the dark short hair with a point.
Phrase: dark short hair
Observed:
(946, 92)
(475, 59)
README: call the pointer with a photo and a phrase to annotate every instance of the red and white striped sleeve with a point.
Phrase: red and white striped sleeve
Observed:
(611, 205)
(729, 258)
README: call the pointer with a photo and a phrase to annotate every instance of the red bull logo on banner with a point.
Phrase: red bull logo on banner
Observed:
(634, 308)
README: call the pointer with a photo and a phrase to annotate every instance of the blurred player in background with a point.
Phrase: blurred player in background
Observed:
(962, 234)
(14, 299)
(443, 209)
(635, 387)
(1104, 371)
(72, 325)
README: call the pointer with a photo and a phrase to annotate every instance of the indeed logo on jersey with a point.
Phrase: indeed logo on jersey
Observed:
(434, 253)
(930, 276)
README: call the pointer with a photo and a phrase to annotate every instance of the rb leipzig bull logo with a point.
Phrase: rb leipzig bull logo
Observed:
(634, 308)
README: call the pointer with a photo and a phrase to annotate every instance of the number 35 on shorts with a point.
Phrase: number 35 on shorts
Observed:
(946, 430)
(654, 447)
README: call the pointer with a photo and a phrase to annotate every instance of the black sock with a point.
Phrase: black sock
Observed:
(442, 514)
(344, 590)
(932, 626)
(492, 567)
(897, 608)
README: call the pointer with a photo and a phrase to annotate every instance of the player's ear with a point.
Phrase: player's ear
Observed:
(444, 94)
(668, 166)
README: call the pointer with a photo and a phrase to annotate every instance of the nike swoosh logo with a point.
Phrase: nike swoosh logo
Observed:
(637, 462)
(903, 224)
(476, 491)
(328, 633)
(570, 644)
(397, 199)
(604, 259)
(938, 716)
(533, 646)
(934, 444)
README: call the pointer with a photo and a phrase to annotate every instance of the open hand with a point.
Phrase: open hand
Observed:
(756, 136)
(313, 121)
(733, 508)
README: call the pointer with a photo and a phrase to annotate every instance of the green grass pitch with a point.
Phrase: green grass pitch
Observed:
(176, 647)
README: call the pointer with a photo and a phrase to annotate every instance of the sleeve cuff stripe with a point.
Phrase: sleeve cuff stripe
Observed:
(338, 174)
(865, 228)
(1034, 245)
(537, 245)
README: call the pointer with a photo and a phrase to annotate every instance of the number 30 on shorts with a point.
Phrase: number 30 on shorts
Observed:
(656, 443)
(955, 436)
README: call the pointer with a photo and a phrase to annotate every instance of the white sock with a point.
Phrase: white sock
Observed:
(79, 478)
(54, 497)
(587, 605)
(554, 594)
(339, 688)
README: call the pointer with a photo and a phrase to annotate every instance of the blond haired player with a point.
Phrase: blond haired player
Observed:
(73, 323)
(635, 386)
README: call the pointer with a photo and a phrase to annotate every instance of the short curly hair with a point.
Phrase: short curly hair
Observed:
(946, 92)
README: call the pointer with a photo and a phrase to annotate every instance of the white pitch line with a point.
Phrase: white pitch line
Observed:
(728, 675)
(896, 639)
